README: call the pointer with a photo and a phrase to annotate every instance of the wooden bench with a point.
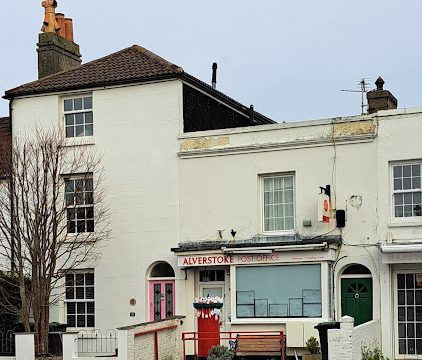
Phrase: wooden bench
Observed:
(258, 343)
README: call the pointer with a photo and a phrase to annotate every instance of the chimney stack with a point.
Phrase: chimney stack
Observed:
(56, 49)
(380, 99)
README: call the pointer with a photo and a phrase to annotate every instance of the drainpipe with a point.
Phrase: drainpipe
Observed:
(12, 206)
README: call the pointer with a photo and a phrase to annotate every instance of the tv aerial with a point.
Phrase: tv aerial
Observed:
(364, 87)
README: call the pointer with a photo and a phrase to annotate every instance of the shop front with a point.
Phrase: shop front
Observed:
(266, 288)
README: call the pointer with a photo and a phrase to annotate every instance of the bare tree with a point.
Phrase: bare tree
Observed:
(53, 218)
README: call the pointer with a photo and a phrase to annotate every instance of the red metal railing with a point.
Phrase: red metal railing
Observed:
(228, 338)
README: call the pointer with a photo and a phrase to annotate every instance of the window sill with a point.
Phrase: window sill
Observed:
(80, 141)
(408, 223)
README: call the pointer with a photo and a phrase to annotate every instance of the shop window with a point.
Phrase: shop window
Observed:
(409, 313)
(278, 291)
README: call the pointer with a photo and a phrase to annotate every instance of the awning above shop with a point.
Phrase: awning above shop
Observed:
(258, 243)
(252, 251)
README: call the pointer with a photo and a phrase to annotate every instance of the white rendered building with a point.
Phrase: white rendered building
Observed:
(209, 197)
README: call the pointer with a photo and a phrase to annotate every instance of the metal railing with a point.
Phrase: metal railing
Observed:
(7, 343)
(93, 343)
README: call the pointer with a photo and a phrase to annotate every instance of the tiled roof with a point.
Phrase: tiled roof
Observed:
(125, 66)
(5, 141)
(128, 66)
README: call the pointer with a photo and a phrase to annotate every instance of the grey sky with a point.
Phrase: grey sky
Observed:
(288, 58)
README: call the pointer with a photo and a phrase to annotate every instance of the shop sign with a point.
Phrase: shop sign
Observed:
(244, 259)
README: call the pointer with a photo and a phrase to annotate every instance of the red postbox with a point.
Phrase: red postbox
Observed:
(209, 314)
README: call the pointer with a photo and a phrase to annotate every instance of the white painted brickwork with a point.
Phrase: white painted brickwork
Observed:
(346, 343)
(141, 346)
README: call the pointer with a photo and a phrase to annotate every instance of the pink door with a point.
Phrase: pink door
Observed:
(161, 299)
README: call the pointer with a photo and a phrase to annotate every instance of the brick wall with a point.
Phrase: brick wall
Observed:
(346, 343)
(140, 340)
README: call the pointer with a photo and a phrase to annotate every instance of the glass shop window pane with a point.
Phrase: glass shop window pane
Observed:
(278, 291)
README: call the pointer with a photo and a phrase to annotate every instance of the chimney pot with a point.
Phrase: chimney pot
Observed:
(380, 83)
(60, 19)
(69, 29)
(380, 99)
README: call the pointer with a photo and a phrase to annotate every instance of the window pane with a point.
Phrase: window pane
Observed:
(397, 171)
(71, 308)
(77, 105)
(70, 294)
(88, 103)
(71, 227)
(398, 211)
(79, 130)
(79, 118)
(268, 185)
(408, 211)
(289, 223)
(411, 346)
(401, 297)
(408, 198)
(418, 313)
(68, 105)
(401, 281)
(90, 308)
(90, 321)
(81, 321)
(407, 171)
(410, 281)
(89, 292)
(89, 198)
(302, 282)
(80, 294)
(89, 279)
(410, 313)
(407, 183)
(80, 226)
(416, 170)
(398, 184)
(288, 182)
(70, 119)
(398, 199)
(70, 131)
(416, 183)
(71, 320)
(402, 313)
(89, 130)
(418, 297)
(402, 330)
(417, 197)
(278, 184)
(79, 279)
(288, 196)
(409, 297)
(80, 308)
(89, 184)
(90, 226)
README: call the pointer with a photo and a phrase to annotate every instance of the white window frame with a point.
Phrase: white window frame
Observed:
(85, 206)
(76, 301)
(64, 112)
(408, 219)
(395, 312)
(262, 177)
(272, 320)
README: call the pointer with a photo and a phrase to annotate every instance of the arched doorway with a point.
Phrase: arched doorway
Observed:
(161, 291)
(356, 293)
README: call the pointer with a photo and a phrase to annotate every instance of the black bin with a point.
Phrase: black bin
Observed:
(55, 345)
(323, 335)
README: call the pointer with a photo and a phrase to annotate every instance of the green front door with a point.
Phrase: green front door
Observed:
(356, 299)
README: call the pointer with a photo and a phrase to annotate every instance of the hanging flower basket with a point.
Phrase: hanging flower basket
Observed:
(208, 307)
